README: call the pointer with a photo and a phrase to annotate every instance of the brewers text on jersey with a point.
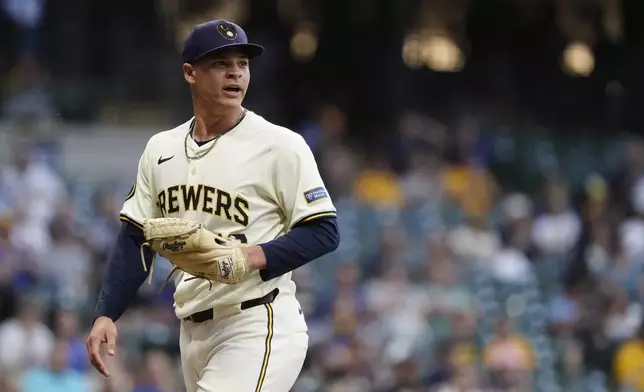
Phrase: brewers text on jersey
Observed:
(204, 198)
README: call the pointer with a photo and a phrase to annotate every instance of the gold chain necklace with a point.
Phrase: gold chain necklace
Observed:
(214, 141)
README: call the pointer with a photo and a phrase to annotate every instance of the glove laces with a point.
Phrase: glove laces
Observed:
(154, 258)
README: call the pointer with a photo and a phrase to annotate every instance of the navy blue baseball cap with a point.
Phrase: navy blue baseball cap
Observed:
(212, 36)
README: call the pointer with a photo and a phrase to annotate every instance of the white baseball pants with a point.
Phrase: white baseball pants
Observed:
(261, 349)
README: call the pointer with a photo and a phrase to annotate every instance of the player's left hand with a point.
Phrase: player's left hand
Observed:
(103, 332)
(194, 249)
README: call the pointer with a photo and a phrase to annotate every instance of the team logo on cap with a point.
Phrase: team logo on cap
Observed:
(227, 31)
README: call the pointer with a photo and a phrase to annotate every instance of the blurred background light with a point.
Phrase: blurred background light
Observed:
(442, 54)
(436, 52)
(411, 52)
(578, 59)
(304, 43)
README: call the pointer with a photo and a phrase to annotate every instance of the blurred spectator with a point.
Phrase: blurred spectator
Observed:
(7, 300)
(105, 225)
(629, 363)
(631, 230)
(35, 191)
(623, 319)
(66, 329)
(471, 187)
(67, 264)
(468, 145)
(511, 263)
(598, 351)
(401, 310)
(466, 178)
(392, 246)
(465, 378)
(516, 207)
(377, 185)
(602, 247)
(448, 298)
(464, 350)
(440, 366)
(28, 101)
(510, 358)
(312, 377)
(406, 377)
(121, 377)
(564, 311)
(475, 239)
(157, 374)
(344, 367)
(340, 170)
(558, 229)
(329, 131)
(345, 293)
(9, 263)
(56, 375)
(631, 167)
(25, 340)
(572, 362)
(417, 134)
(598, 200)
(422, 181)
(623, 271)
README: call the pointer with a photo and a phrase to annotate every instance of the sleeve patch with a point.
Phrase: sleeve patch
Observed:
(315, 194)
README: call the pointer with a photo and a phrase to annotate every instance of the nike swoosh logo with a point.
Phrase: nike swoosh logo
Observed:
(161, 159)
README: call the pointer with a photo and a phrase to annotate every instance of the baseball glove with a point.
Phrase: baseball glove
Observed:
(196, 250)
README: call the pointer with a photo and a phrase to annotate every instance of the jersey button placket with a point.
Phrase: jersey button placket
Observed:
(192, 168)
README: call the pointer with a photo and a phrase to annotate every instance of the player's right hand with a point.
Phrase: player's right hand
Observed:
(103, 332)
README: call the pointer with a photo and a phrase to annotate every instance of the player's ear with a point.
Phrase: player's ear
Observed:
(189, 73)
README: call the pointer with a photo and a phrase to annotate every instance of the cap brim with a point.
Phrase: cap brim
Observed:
(251, 50)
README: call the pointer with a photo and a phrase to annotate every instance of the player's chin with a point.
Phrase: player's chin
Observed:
(232, 96)
(229, 101)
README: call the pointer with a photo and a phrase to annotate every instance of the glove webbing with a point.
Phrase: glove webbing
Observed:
(167, 279)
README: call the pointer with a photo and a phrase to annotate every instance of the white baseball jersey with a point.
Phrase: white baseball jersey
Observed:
(257, 182)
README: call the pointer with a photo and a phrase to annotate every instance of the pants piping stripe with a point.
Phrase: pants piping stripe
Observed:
(267, 348)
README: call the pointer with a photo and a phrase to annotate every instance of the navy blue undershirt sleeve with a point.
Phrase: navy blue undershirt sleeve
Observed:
(303, 244)
(124, 273)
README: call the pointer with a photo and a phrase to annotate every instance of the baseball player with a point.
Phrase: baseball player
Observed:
(250, 202)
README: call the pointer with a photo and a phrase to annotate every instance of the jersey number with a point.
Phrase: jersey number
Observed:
(239, 236)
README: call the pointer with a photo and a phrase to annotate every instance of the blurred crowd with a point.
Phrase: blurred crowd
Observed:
(445, 280)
